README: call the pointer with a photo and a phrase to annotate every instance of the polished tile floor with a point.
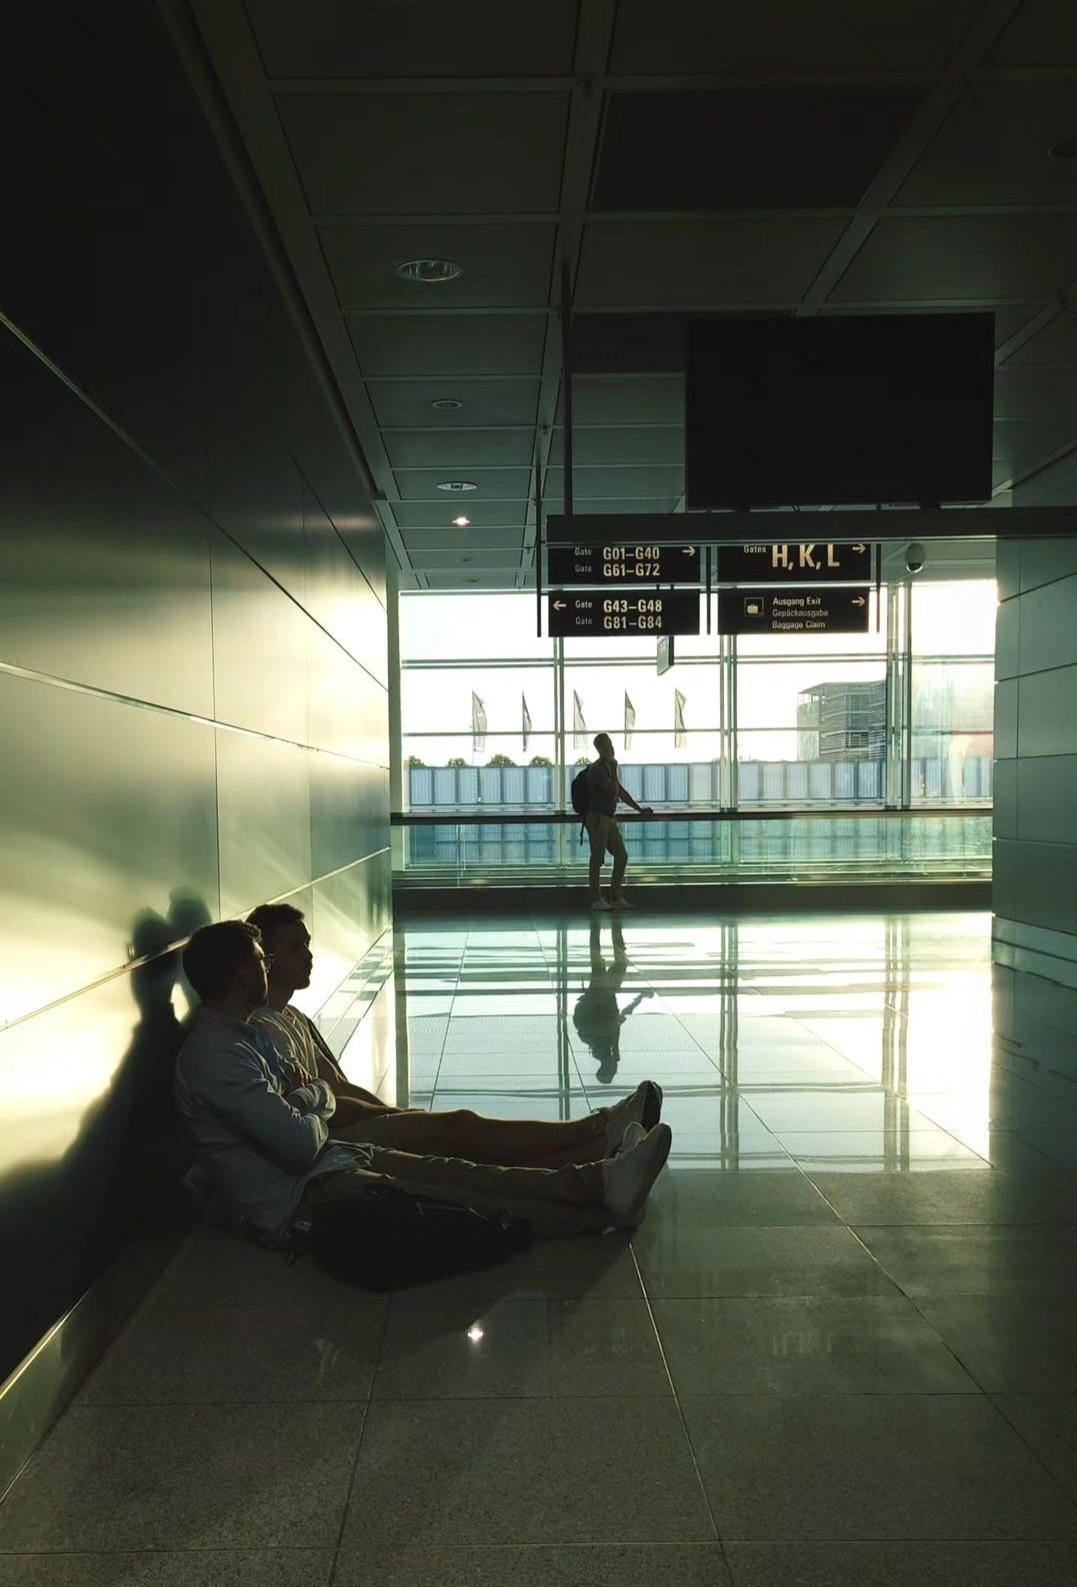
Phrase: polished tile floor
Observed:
(840, 1351)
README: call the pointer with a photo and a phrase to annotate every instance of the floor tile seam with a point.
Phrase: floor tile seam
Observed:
(708, 1507)
(898, 1539)
(831, 1394)
(951, 1350)
(569, 1396)
(994, 1395)
(350, 1484)
(619, 1396)
(218, 1404)
(227, 1549)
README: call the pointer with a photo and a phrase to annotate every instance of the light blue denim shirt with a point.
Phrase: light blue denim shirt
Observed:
(259, 1146)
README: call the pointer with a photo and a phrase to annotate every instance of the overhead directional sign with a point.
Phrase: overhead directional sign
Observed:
(794, 611)
(803, 562)
(599, 615)
(627, 528)
(624, 564)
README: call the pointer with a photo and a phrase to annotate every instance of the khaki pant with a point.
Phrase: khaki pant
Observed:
(558, 1201)
(605, 835)
(506, 1143)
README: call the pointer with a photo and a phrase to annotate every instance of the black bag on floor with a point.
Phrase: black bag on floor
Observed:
(388, 1239)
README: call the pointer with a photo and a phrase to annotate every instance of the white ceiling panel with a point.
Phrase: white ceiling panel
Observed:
(673, 263)
(489, 579)
(1043, 33)
(436, 517)
(457, 451)
(430, 540)
(438, 154)
(618, 399)
(503, 266)
(444, 345)
(692, 36)
(407, 403)
(423, 38)
(1032, 393)
(913, 260)
(506, 559)
(640, 444)
(1054, 346)
(994, 149)
(606, 482)
(496, 484)
(1027, 441)
(618, 506)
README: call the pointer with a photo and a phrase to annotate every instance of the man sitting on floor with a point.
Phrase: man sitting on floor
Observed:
(360, 1116)
(298, 1041)
(265, 1141)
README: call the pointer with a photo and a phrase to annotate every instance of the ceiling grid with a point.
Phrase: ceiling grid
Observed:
(682, 159)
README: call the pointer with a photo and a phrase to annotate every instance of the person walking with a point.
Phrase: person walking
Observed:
(603, 829)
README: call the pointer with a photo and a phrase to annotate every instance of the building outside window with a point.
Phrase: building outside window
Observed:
(497, 718)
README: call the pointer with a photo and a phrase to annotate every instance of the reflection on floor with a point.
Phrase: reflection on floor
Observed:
(840, 1350)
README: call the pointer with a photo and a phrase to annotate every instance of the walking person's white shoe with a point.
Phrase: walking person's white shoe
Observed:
(600, 903)
(627, 1180)
(619, 901)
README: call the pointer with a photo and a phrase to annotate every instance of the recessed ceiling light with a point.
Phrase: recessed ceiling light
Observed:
(446, 404)
(457, 485)
(461, 522)
(428, 270)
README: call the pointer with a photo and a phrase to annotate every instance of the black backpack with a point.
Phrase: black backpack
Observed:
(580, 794)
(388, 1239)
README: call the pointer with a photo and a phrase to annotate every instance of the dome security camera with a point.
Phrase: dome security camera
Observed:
(914, 556)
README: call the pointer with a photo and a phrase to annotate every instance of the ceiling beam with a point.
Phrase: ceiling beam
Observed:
(925, 124)
(594, 39)
(231, 48)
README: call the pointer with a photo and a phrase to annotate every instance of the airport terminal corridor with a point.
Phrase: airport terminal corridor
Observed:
(839, 1349)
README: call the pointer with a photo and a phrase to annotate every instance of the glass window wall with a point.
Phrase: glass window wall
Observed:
(495, 717)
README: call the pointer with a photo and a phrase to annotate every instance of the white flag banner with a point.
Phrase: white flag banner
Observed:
(680, 737)
(526, 721)
(630, 721)
(579, 726)
(478, 725)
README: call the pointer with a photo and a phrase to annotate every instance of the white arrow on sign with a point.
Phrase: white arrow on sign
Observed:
(859, 601)
(559, 606)
(860, 548)
(689, 551)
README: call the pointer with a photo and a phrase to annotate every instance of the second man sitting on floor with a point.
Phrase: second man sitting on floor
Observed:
(362, 1117)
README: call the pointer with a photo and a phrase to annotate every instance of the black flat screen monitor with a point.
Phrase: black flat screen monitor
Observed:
(859, 409)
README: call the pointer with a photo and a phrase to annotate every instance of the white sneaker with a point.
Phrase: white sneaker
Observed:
(620, 902)
(641, 1106)
(627, 1180)
(631, 1137)
(600, 903)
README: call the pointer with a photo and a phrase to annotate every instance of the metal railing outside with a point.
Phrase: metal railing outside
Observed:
(475, 848)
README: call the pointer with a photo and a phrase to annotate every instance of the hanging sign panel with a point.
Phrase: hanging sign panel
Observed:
(804, 562)
(599, 616)
(794, 611)
(624, 564)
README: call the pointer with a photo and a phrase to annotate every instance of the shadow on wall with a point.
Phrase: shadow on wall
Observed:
(63, 1221)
